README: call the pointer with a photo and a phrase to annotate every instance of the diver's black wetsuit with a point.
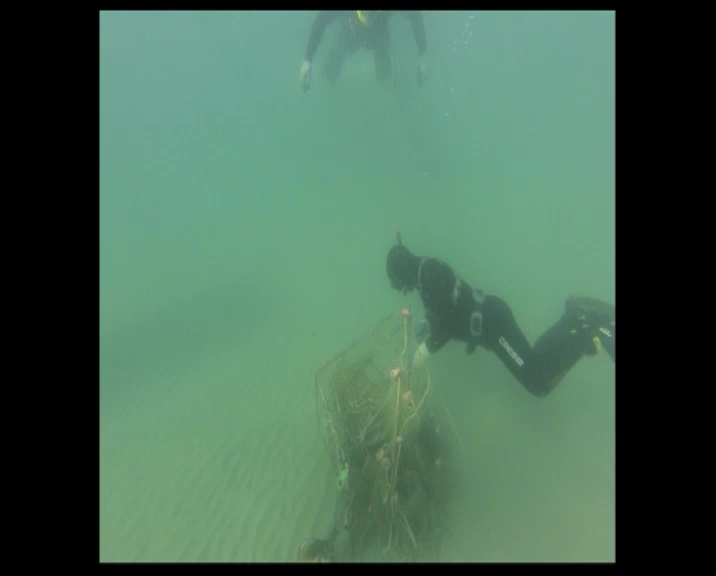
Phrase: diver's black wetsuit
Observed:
(455, 311)
(354, 34)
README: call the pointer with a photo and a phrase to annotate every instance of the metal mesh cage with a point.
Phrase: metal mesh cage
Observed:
(379, 424)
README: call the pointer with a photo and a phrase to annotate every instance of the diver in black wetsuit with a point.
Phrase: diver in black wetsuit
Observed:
(361, 29)
(455, 311)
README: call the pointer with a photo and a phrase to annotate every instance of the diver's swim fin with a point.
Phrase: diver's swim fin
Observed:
(597, 316)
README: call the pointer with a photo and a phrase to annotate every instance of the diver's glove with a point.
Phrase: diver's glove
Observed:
(420, 356)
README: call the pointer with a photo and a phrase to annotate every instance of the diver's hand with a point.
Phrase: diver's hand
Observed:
(422, 71)
(420, 356)
(304, 77)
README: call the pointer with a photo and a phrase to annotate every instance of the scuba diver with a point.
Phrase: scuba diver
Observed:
(455, 311)
(361, 29)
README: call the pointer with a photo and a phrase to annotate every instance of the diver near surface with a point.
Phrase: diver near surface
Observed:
(361, 29)
(455, 311)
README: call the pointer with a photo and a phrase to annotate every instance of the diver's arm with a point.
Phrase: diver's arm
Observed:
(439, 281)
(437, 339)
(323, 19)
(416, 20)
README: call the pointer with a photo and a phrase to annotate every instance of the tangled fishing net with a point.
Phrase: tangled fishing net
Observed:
(388, 448)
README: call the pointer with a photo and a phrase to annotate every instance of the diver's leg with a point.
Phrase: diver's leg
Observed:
(557, 351)
(585, 327)
(383, 59)
(502, 335)
(345, 44)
